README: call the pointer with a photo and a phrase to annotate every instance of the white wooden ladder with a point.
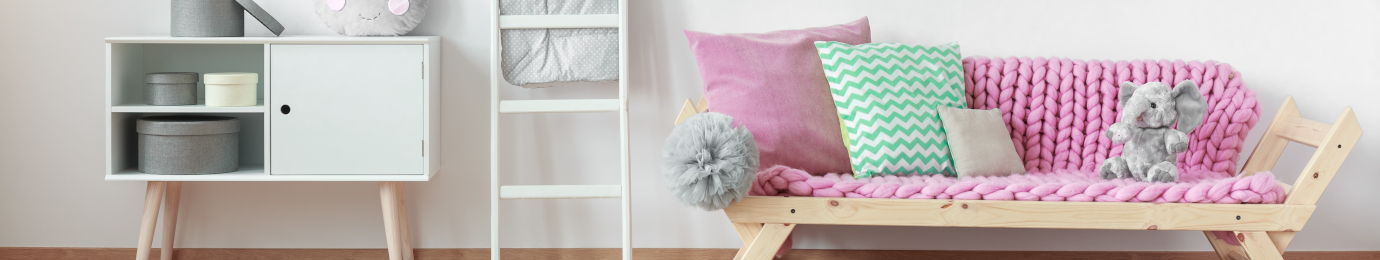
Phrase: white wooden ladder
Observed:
(499, 107)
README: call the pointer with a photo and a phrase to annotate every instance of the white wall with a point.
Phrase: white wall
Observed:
(52, 194)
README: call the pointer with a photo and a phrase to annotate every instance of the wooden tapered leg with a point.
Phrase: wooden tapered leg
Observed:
(173, 197)
(404, 231)
(152, 197)
(747, 232)
(768, 241)
(388, 195)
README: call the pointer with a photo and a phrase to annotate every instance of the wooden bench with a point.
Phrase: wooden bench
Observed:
(1236, 231)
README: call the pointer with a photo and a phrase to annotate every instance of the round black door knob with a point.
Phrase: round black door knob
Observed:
(286, 109)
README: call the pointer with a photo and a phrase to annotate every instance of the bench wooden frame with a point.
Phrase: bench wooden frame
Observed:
(1236, 231)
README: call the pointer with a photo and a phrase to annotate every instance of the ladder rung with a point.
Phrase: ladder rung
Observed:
(558, 106)
(558, 21)
(560, 191)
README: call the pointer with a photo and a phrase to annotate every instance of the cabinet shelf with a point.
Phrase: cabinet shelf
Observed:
(198, 108)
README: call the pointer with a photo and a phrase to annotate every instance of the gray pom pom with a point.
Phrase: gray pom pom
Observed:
(708, 164)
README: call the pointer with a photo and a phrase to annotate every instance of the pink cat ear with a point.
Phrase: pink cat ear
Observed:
(398, 7)
(335, 4)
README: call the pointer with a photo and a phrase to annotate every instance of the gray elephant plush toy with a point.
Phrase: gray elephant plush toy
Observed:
(1147, 112)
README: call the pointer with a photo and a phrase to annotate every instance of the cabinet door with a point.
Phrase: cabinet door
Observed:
(346, 109)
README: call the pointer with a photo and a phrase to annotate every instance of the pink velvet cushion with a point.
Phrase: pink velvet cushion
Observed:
(774, 84)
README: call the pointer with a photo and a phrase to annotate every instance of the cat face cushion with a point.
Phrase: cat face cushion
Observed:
(371, 17)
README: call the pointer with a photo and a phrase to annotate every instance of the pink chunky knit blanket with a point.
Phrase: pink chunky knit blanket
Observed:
(1056, 110)
(1063, 185)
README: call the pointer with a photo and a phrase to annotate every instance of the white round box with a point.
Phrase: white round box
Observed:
(231, 89)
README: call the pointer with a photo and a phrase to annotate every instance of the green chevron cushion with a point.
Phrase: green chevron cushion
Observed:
(887, 95)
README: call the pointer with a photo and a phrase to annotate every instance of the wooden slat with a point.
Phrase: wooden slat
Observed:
(1271, 145)
(1019, 214)
(558, 106)
(691, 108)
(558, 21)
(747, 232)
(703, 106)
(1243, 245)
(1305, 131)
(1282, 239)
(686, 111)
(1336, 146)
(560, 191)
(1226, 245)
(768, 241)
(1258, 246)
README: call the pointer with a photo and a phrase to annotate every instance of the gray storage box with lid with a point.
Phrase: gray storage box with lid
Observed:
(207, 18)
(188, 144)
(171, 88)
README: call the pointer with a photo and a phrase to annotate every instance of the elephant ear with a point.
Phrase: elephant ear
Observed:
(1127, 93)
(1127, 89)
(1190, 105)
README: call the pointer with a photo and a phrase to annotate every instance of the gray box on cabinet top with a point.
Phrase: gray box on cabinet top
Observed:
(207, 18)
(171, 88)
(263, 16)
(188, 144)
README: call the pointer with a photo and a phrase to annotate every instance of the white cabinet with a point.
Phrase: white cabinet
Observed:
(330, 108)
(347, 109)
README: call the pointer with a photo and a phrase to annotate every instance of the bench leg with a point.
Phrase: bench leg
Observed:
(1281, 239)
(1259, 246)
(1243, 245)
(1226, 245)
(767, 242)
(747, 232)
(152, 198)
(172, 198)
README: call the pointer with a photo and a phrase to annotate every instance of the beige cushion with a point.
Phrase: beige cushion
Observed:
(979, 142)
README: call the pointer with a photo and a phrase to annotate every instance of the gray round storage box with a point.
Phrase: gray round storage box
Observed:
(207, 18)
(188, 144)
(171, 88)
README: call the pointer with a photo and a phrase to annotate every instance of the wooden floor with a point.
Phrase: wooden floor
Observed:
(56, 253)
